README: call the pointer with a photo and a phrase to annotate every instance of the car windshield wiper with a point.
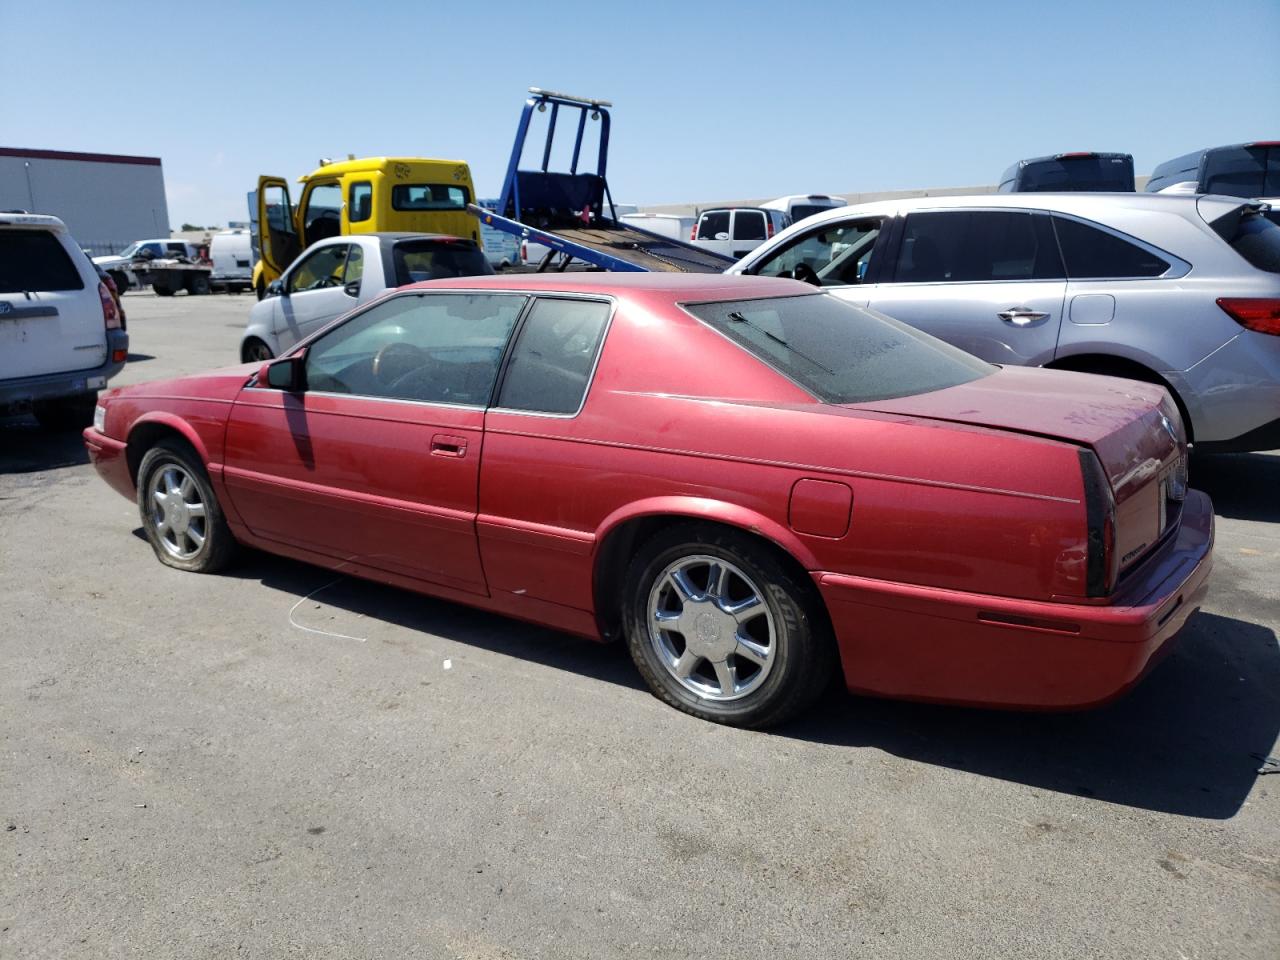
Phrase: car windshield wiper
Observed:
(737, 316)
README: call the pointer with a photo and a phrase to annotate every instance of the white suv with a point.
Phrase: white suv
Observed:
(62, 336)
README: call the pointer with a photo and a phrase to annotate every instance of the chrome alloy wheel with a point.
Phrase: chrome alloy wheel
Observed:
(177, 511)
(711, 628)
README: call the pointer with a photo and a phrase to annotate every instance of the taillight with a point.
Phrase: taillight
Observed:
(110, 312)
(1261, 314)
(524, 251)
(768, 227)
(1101, 564)
(693, 233)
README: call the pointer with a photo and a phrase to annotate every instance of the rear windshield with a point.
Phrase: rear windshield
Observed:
(1077, 174)
(35, 260)
(418, 260)
(838, 352)
(1251, 235)
(429, 196)
(801, 210)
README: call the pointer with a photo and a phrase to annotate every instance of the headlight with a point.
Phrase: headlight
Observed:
(99, 418)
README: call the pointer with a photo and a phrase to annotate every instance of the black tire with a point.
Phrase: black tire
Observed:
(66, 413)
(255, 350)
(218, 547)
(802, 662)
(261, 290)
(161, 290)
(121, 281)
(198, 285)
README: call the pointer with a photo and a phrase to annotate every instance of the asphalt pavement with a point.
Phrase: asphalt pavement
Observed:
(278, 762)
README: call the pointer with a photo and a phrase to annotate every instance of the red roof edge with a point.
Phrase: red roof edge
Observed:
(72, 155)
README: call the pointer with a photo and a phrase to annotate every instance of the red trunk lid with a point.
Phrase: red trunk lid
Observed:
(1133, 428)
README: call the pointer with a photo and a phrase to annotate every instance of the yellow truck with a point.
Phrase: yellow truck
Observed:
(366, 195)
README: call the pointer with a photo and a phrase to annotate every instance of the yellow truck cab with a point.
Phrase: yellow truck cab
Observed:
(367, 195)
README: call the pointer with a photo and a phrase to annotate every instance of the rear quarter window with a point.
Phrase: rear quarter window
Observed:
(554, 355)
(35, 260)
(838, 352)
(418, 261)
(1093, 254)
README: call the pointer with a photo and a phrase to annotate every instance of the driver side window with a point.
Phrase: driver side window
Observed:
(319, 269)
(836, 254)
(427, 347)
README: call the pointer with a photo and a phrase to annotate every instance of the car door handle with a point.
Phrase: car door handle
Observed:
(1021, 316)
(444, 445)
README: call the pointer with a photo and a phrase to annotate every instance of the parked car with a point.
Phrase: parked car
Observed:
(799, 206)
(1071, 172)
(1250, 170)
(759, 486)
(736, 231)
(120, 265)
(231, 252)
(1182, 291)
(1239, 170)
(337, 275)
(670, 225)
(62, 333)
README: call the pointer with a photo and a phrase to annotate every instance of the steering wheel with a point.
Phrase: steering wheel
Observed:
(394, 361)
(806, 273)
(421, 383)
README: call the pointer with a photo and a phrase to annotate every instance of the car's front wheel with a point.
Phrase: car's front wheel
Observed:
(180, 513)
(720, 627)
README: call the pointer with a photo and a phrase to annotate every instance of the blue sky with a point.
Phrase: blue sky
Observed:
(712, 100)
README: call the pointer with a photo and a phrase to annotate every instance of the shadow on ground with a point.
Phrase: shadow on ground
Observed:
(1243, 486)
(1189, 740)
(26, 447)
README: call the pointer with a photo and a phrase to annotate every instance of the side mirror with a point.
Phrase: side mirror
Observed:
(275, 288)
(289, 374)
(352, 289)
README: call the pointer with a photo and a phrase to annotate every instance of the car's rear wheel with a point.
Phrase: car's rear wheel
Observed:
(66, 413)
(720, 627)
(180, 513)
(255, 351)
(161, 290)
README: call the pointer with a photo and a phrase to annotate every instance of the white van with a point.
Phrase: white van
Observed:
(666, 224)
(62, 335)
(798, 206)
(232, 255)
(736, 231)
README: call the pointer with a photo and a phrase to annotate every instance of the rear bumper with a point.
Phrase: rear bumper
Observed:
(50, 386)
(922, 643)
(108, 457)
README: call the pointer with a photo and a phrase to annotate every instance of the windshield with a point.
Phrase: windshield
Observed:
(131, 249)
(838, 352)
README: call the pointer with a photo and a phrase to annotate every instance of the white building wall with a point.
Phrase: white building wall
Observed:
(107, 202)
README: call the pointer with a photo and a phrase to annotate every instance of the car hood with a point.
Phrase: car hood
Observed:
(221, 384)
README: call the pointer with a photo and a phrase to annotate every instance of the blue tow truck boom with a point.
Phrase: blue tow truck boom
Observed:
(572, 213)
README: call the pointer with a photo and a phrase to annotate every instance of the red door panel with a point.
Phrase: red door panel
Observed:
(387, 483)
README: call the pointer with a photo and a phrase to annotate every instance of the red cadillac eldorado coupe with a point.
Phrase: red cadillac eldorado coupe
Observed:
(756, 485)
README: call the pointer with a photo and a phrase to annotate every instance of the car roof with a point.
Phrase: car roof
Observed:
(1084, 204)
(32, 220)
(673, 286)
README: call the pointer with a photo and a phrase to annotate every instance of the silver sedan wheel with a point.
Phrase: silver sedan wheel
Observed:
(711, 628)
(177, 511)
